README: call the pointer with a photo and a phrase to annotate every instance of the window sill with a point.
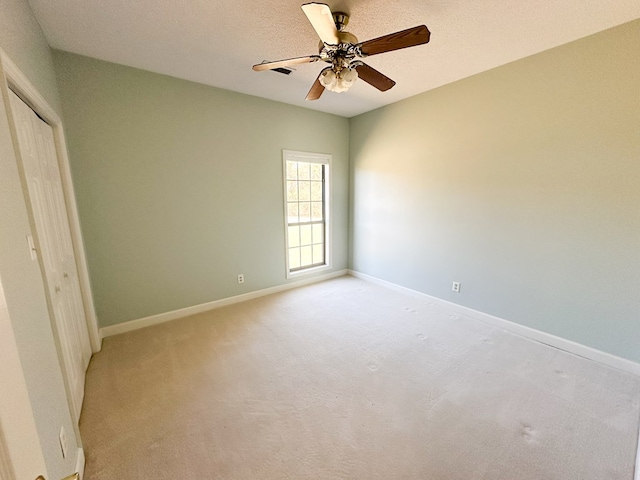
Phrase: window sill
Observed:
(308, 271)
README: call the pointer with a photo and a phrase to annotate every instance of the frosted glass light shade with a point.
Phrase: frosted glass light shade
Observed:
(349, 76)
(328, 78)
(338, 83)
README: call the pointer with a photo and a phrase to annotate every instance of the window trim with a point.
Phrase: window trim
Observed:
(309, 157)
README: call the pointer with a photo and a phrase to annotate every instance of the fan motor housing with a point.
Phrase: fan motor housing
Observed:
(344, 37)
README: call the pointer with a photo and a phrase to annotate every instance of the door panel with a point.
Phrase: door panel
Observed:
(69, 269)
(40, 163)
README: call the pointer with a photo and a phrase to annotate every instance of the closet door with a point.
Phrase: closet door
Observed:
(40, 163)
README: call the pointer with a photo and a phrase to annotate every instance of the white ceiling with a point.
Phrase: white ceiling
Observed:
(216, 42)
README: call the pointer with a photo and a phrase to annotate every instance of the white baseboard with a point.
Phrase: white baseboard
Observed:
(185, 312)
(527, 332)
(80, 463)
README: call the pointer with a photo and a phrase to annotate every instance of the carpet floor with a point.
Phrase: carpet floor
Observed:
(345, 379)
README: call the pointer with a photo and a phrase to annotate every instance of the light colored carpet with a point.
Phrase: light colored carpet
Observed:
(349, 380)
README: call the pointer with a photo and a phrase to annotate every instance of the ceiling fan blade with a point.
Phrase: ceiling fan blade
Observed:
(285, 63)
(321, 19)
(316, 90)
(374, 77)
(395, 41)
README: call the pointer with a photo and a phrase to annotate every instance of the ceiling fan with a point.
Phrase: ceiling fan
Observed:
(342, 50)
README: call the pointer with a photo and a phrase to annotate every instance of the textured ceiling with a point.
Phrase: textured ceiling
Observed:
(216, 42)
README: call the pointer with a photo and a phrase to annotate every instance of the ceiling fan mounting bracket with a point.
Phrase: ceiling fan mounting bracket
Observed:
(341, 20)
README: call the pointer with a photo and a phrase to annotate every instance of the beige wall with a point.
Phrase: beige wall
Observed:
(523, 183)
(22, 40)
(179, 185)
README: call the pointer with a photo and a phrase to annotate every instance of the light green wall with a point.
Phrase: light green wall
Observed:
(179, 185)
(523, 183)
(23, 42)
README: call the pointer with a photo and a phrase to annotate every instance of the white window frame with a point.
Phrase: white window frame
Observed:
(296, 156)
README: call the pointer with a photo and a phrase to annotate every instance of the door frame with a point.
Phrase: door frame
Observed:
(12, 78)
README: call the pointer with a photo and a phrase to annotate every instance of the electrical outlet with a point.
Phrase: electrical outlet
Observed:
(241, 278)
(456, 287)
(63, 442)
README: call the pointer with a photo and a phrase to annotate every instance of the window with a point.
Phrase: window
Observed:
(306, 193)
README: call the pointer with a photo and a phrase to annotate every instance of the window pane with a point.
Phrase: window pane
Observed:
(305, 212)
(316, 212)
(318, 254)
(292, 212)
(304, 171)
(316, 191)
(305, 191)
(305, 235)
(316, 171)
(306, 256)
(294, 236)
(318, 233)
(294, 258)
(292, 191)
(292, 170)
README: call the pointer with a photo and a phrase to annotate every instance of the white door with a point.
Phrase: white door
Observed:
(40, 163)
(20, 452)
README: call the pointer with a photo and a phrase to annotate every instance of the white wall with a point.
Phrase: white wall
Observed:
(522, 183)
(22, 40)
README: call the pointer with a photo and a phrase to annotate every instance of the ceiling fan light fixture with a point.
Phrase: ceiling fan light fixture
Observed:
(338, 82)
(348, 76)
(328, 78)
